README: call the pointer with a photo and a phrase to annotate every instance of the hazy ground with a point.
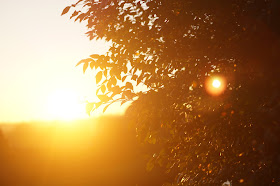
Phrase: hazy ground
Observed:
(93, 152)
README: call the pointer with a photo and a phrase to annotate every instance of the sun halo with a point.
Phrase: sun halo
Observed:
(65, 105)
(215, 85)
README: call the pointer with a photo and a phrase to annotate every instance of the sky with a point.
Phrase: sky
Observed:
(39, 49)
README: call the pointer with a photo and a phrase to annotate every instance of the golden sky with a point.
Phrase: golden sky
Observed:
(39, 50)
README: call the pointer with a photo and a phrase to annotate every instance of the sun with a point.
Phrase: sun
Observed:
(216, 83)
(65, 105)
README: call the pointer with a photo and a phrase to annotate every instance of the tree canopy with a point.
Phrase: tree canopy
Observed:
(171, 49)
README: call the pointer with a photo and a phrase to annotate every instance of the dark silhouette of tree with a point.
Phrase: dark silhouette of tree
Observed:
(171, 48)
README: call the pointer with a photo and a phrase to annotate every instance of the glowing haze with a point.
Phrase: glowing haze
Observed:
(39, 50)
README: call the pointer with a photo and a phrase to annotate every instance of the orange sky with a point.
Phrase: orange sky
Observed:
(39, 50)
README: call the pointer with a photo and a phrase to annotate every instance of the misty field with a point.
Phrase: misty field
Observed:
(103, 151)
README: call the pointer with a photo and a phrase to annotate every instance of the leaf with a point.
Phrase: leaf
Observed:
(76, 3)
(80, 62)
(128, 94)
(75, 13)
(119, 76)
(66, 9)
(98, 90)
(129, 85)
(139, 79)
(105, 108)
(123, 78)
(134, 77)
(85, 67)
(81, 17)
(138, 82)
(91, 65)
(109, 85)
(103, 88)
(94, 56)
(116, 90)
(88, 60)
(97, 105)
(114, 81)
(98, 77)
(84, 17)
(124, 101)
(103, 98)
(89, 108)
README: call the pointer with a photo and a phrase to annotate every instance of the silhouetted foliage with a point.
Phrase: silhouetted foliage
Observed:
(171, 48)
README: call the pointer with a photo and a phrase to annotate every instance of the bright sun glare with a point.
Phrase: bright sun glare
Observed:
(216, 83)
(65, 105)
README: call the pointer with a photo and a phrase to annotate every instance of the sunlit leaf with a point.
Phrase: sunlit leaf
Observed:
(118, 76)
(103, 88)
(123, 78)
(114, 81)
(109, 84)
(129, 85)
(134, 77)
(106, 107)
(94, 56)
(98, 77)
(91, 65)
(80, 62)
(85, 67)
(124, 101)
(103, 98)
(97, 105)
(89, 107)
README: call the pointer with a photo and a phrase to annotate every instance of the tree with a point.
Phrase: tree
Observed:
(172, 48)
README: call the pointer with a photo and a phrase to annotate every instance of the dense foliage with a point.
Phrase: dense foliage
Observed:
(169, 49)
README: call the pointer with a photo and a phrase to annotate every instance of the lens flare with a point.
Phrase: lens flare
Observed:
(215, 85)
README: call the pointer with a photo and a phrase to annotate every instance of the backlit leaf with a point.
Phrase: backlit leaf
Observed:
(85, 67)
(124, 101)
(89, 108)
(106, 107)
(103, 88)
(98, 77)
(94, 56)
(103, 98)
(75, 13)
(114, 81)
(91, 65)
(80, 62)
(66, 9)
(123, 78)
(129, 85)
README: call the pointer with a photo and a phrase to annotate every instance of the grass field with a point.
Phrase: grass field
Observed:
(102, 151)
